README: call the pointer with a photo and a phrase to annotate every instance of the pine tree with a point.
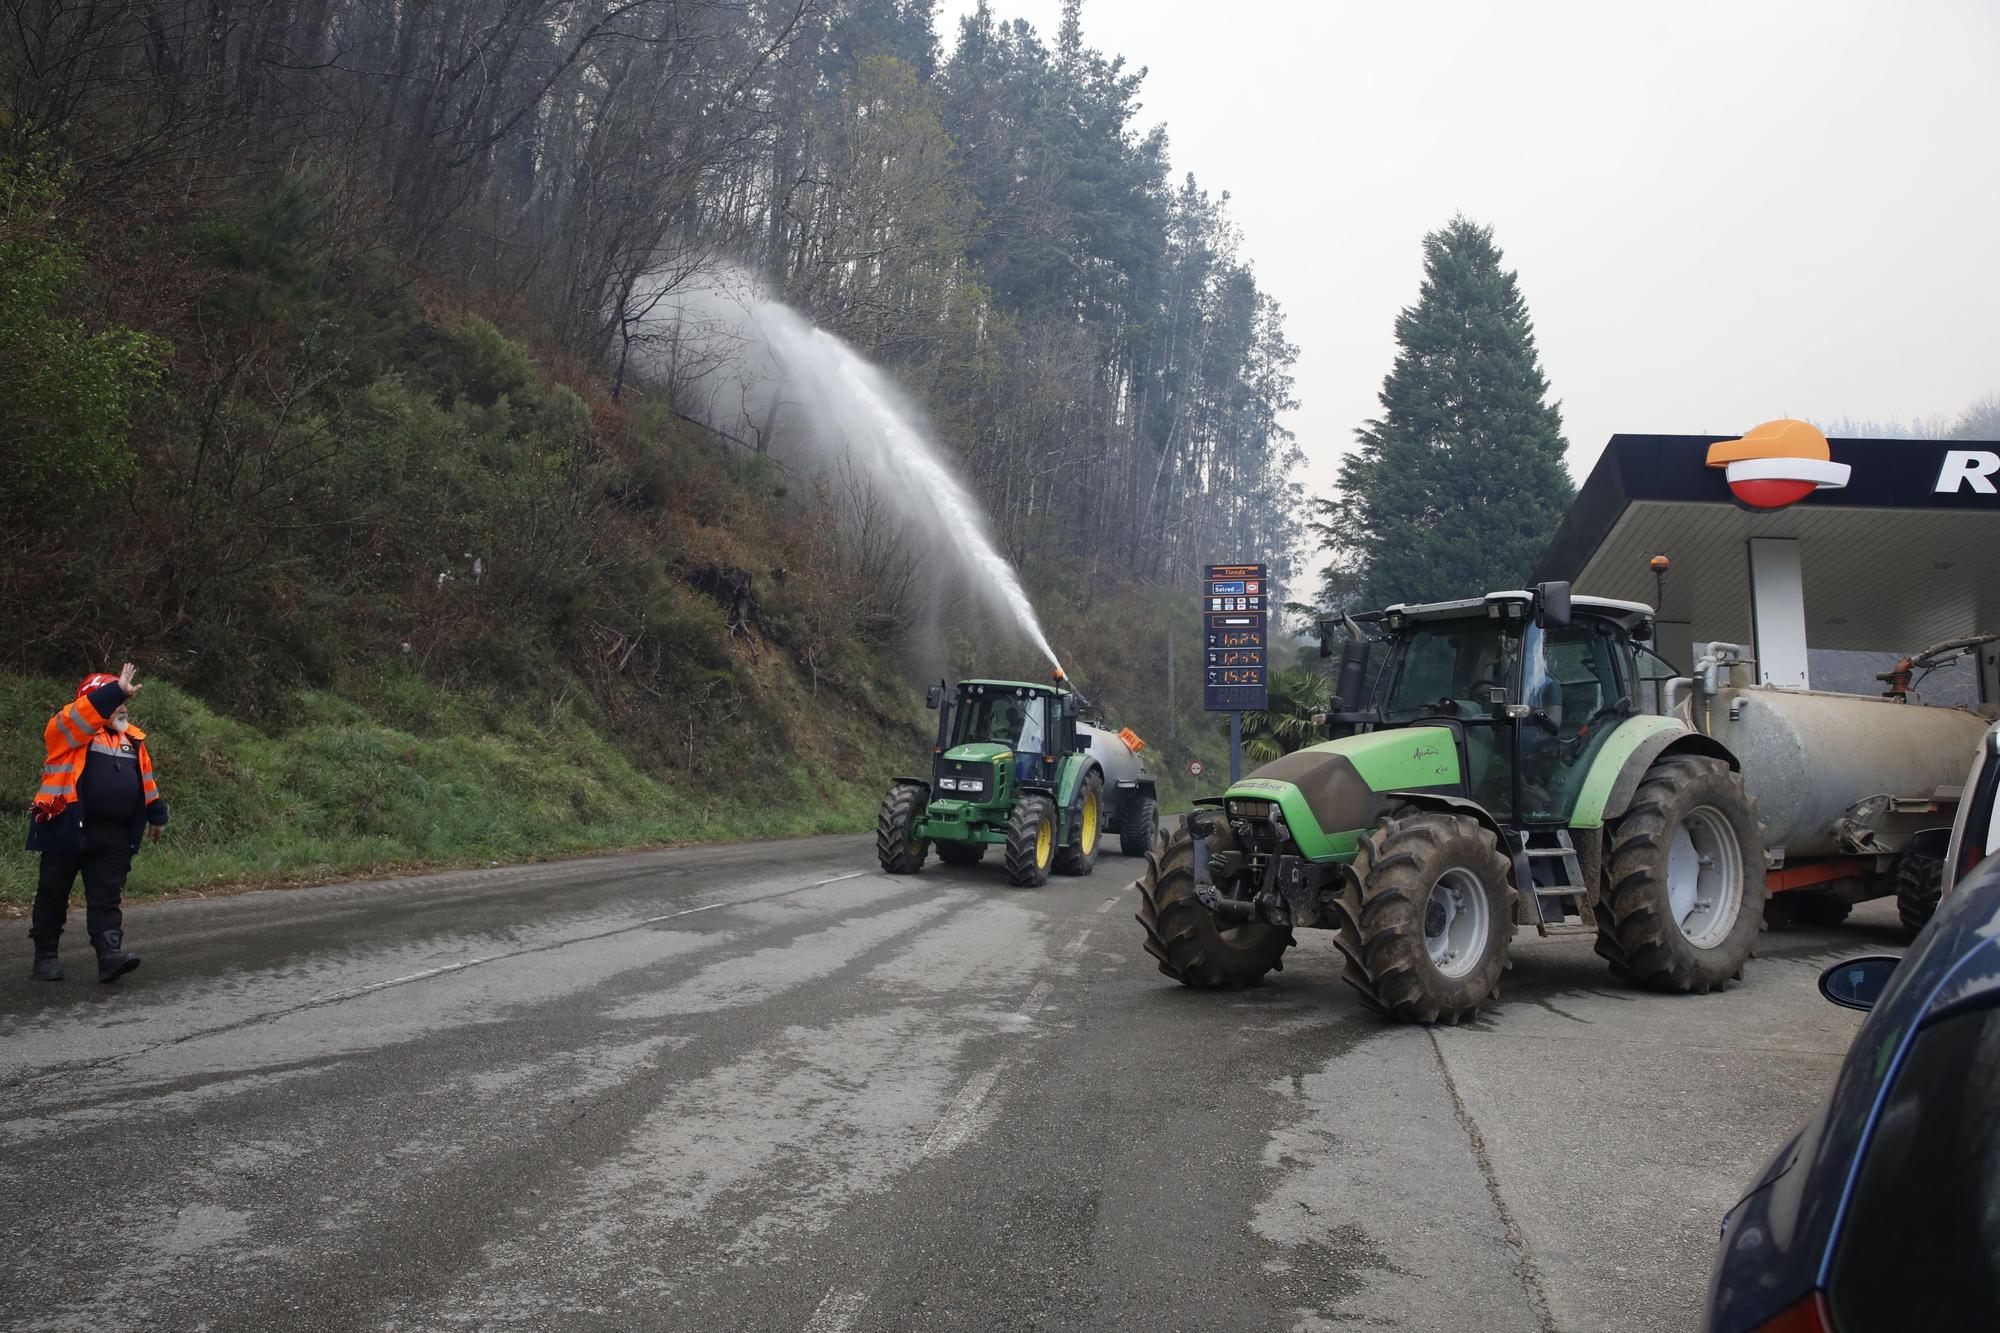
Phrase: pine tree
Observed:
(1460, 483)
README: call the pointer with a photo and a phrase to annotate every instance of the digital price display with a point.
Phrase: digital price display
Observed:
(1236, 620)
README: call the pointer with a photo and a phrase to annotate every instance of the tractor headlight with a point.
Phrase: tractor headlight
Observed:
(947, 784)
(970, 787)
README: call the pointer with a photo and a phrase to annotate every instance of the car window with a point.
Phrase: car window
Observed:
(1921, 1244)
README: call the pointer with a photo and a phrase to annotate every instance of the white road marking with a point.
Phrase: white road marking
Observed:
(1107, 904)
(837, 1312)
(955, 1126)
(1036, 996)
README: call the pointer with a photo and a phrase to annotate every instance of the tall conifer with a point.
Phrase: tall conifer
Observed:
(1460, 483)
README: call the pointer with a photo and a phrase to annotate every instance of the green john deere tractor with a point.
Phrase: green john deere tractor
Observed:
(1014, 767)
(1507, 775)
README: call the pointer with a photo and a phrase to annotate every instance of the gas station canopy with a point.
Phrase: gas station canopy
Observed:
(1880, 545)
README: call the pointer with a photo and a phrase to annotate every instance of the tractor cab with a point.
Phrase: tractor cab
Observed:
(997, 734)
(1529, 684)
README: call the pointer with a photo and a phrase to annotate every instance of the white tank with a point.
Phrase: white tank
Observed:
(1116, 758)
(1809, 758)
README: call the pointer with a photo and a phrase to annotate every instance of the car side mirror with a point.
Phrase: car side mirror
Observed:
(933, 697)
(1552, 603)
(1859, 982)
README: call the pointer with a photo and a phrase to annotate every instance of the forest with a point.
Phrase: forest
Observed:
(318, 391)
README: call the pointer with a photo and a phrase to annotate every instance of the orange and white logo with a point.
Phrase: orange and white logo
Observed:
(1777, 464)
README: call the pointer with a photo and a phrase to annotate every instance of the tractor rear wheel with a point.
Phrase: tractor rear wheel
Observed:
(1138, 825)
(1191, 945)
(1429, 914)
(960, 853)
(1919, 887)
(897, 846)
(1078, 856)
(1684, 895)
(1031, 841)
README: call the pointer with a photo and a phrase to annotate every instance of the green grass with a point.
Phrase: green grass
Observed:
(424, 778)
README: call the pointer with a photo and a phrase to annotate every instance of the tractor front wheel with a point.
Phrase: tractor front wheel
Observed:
(1190, 944)
(1919, 887)
(1031, 841)
(1078, 856)
(960, 853)
(1138, 825)
(1429, 917)
(897, 845)
(1684, 897)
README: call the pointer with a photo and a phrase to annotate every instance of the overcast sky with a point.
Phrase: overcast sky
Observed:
(1721, 212)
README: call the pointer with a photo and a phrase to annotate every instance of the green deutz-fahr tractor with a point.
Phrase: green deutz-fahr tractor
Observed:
(1508, 774)
(1014, 767)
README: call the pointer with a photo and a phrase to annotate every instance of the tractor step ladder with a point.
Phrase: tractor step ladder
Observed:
(1558, 865)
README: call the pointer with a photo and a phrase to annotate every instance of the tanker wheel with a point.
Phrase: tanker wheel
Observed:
(1138, 825)
(960, 853)
(1684, 895)
(897, 845)
(1919, 886)
(1031, 841)
(1078, 856)
(1428, 915)
(1190, 944)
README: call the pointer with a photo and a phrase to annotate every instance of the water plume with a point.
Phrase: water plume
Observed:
(754, 366)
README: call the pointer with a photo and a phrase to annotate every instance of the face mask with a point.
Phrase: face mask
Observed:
(118, 724)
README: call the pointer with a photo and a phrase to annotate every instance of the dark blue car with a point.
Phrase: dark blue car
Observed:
(1884, 1211)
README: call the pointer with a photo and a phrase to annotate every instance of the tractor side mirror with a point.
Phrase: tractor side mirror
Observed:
(933, 697)
(1496, 700)
(1326, 638)
(1552, 604)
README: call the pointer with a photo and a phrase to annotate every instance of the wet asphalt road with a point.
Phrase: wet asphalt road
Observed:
(768, 1087)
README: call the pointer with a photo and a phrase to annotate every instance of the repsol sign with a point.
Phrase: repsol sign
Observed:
(1968, 471)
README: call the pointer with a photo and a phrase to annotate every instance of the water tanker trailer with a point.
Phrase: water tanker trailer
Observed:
(1855, 792)
(1015, 767)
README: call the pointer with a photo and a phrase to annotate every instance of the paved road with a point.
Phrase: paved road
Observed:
(767, 1087)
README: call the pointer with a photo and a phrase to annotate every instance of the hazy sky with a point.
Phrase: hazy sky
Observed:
(1720, 212)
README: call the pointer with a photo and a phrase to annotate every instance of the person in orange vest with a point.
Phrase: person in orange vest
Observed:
(96, 803)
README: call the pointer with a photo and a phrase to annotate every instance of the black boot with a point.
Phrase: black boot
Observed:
(112, 960)
(47, 968)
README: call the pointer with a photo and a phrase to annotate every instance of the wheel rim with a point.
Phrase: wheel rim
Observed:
(1045, 840)
(1704, 876)
(1456, 922)
(1090, 813)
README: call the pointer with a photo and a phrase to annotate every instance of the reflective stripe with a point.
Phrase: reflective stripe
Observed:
(76, 734)
(63, 767)
(49, 790)
(108, 747)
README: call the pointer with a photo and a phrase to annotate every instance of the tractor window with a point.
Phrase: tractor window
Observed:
(1003, 719)
(1576, 693)
(1441, 670)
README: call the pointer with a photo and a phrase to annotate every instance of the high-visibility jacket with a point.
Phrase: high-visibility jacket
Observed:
(68, 739)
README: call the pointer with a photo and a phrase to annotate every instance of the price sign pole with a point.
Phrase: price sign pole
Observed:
(1236, 620)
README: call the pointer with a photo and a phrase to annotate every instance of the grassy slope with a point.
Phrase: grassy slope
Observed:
(420, 778)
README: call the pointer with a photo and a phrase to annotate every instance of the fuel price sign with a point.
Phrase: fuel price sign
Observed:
(1235, 623)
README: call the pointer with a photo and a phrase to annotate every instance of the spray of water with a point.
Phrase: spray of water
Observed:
(755, 363)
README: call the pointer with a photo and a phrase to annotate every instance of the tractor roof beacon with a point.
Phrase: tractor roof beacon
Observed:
(1015, 766)
(1505, 773)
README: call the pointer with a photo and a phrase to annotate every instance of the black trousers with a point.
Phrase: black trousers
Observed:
(104, 865)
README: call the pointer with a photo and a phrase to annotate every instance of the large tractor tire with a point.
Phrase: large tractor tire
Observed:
(1429, 913)
(1919, 886)
(1190, 944)
(960, 853)
(897, 847)
(1078, 856)
(1138, 825)
(1684, 896)
(1031, 841)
